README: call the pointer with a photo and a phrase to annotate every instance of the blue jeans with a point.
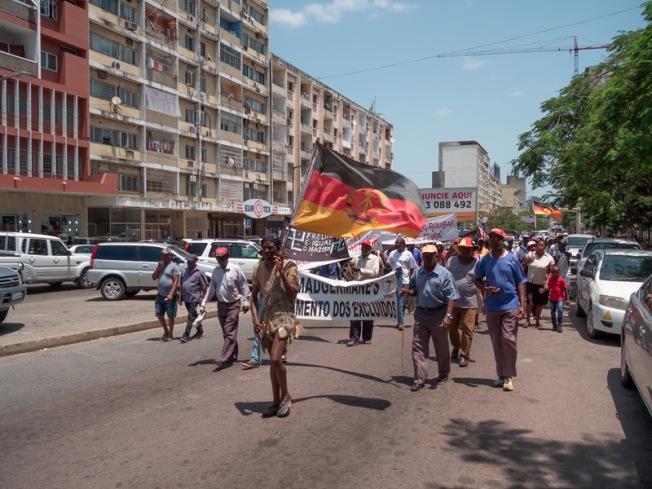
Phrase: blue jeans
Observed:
(256, 350)
(163, 306)
(400, 300)
(557, 313)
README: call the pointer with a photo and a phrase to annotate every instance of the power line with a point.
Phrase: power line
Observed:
(461, 51)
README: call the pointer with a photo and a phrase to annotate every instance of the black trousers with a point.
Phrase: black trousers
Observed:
(192, 315)
(367, 330)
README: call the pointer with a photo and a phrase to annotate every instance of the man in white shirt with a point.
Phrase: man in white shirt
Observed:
(363, 267)
(404, 265)
(229, 285)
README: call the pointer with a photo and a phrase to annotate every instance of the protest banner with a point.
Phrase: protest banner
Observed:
(320, 298)
(305, 246)
(463, 202)
(443, 228)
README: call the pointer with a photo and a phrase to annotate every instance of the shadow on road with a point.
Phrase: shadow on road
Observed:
(313, 338)
(249, 408)
(37, 289)
(528, 462)
(138, 297)
(473, 381)
(637, 426)
(342, 371)
(8, 328)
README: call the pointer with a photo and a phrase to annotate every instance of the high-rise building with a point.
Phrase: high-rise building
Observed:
(45, 176)
(519, 183)
(179, 108)
(305, 110)
(512, 199)
(467, 164)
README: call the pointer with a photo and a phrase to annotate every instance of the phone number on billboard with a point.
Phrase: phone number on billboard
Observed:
(447, 204)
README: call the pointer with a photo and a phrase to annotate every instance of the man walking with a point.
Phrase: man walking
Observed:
(404, 265)
(229, 285)
(363, 267)
(436, 294)
(462, 268)
(500, 277)
(442, 253)
(167, 282)
(193, 288)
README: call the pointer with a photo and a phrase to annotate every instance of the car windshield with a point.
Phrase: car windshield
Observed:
(591, 247)
(197, 248)
(577, 241)
(623, 268)
(179, 252)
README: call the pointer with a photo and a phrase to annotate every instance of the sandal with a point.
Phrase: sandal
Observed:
(271, 411)
(284, 408)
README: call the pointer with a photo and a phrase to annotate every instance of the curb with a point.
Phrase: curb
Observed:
(70, 339)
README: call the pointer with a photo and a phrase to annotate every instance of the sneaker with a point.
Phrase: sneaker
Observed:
(184, 339)
(455, 353)
(249, 365)
(508, 385)
(416, 387)
(463, 362)
(284, 358)
(499, 382)
(559, 329)
(353, 342)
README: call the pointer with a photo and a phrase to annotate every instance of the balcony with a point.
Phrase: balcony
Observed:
(279, 89)
(103, 184)
(19, 9)
(306, 128)
(18, 63)
(279, 116)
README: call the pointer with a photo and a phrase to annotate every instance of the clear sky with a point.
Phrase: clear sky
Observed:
(490, 99)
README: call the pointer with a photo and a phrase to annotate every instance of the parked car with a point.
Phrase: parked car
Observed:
(243, 253)
(591, 246)
(123, 269)
(83, 249)
(12, 290)
(44, 259)
(604, 286)
(636, 343)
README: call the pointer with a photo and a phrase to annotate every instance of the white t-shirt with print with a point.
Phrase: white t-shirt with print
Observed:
(404, 260)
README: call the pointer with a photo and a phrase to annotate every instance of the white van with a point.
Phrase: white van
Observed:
(45, 259)
(242, 252)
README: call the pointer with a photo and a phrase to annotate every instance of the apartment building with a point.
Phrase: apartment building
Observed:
(467, 164)
(512, 199)
(305, 110)
(45, 175)
(179, 108)
(520, 184)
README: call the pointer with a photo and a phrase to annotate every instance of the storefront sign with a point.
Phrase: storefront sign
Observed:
(304, 246)
(443, 228)
(256, 208)
(463, 202)
(320, 298)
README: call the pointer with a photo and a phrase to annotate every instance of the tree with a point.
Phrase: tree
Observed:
(594, 141)
(504, 218)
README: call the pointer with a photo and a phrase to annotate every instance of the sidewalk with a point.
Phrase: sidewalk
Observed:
(66, 317)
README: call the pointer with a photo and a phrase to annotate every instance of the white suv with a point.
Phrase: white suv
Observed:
(242, 252)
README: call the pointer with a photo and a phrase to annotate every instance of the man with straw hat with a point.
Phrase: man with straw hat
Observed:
(462, 268)
(436, 293)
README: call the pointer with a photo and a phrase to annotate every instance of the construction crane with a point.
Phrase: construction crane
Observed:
(575, 49)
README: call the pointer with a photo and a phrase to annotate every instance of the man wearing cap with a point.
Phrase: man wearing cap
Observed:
(363, 267)
(436, 293)
(521, 251)
(404, 265)
(193, 287)
(229, 285)
(562, 258)
(442, 253)
(462, 268)
(500, 277)
(167, 281)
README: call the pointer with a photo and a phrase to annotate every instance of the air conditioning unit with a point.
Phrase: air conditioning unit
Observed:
(115, 65)
(131, 26)
(190, 163)
(102, 75)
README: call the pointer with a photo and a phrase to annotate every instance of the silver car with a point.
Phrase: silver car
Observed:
(123, 269)
(636, 343)
(242, 252)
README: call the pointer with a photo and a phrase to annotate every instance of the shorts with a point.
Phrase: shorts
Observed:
(534, 297)
(162, 307)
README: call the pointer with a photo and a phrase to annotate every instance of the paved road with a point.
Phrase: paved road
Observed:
(132, 412)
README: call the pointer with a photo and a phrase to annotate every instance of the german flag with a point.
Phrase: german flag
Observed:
(543, 209)
(343, 198)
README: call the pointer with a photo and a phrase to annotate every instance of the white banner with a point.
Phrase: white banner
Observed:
(442, 228)
(320, 298)
(460, 201)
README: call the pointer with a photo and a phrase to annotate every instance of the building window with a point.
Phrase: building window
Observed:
(49, 9)
(202, 84)
(255, 165)
(255, 105)
(189, 42)
(109, 5)
(229, 56)
(253, 44)
(127, 12)
(106, 91)
(253, 134)
(232, 27)
(189, 6)
(230, 123)
(193, 116)
(49, 61)
(202, 49)
(190, 152)
(112, 137)
(256, 15)
(191, 189)
(189, 78)
(112, 49)
(129, 183)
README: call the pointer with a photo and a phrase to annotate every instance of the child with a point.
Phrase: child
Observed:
(558, 294)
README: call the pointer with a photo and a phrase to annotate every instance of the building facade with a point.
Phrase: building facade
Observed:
(520, 184)
(512, 199)
(305, 110)
(45, 176)
(467, 164)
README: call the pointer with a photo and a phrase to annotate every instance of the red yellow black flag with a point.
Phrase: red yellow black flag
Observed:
(543, 209)
(343, 198)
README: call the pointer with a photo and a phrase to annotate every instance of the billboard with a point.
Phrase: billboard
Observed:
(462, 202)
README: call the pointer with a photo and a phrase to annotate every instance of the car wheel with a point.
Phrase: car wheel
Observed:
(56, 284)
(82, 281)
(590, 327)
(131, 293)
(112, 289)
(3, 315)
(625, 375)
(579, 312)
